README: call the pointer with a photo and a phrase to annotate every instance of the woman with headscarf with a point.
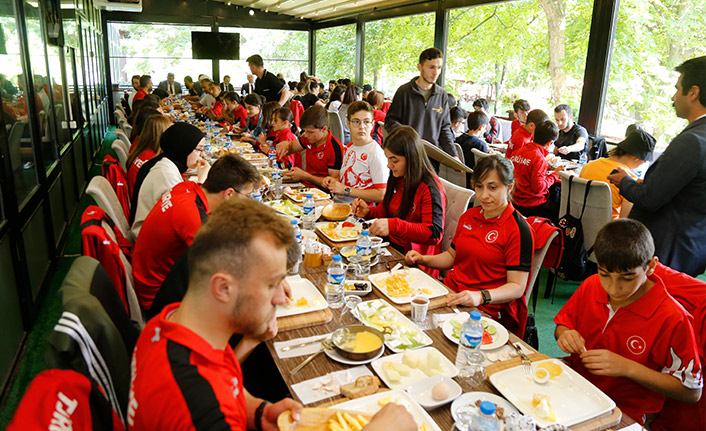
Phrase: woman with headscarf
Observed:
(182, 146)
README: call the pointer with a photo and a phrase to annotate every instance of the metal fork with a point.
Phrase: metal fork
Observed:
(526, 362)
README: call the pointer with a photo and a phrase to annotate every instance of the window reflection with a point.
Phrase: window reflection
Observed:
(335, 53)
(15, 107)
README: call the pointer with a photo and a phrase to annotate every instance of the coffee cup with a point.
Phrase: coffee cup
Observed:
(420, 306)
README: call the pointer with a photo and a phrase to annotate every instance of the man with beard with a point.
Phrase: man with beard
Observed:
(184, 374)
(424, 105)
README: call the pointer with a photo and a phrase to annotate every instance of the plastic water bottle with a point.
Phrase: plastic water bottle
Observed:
(485, 420)
(469, 358)
(298, 238)
(309, 217)
(363, 249)
(276, 187)
(336, 277)
(256, 195)
(583, 159)
(272, 158)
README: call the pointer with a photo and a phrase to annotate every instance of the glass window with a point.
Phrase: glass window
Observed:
(501, 52)
(153, 49)
(335, 53)
(392, 48)
(15, 106)
(57, 89)
(282, 51)
(650, 41)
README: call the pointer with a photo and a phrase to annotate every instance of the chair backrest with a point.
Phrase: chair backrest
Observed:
(100, 241)
(86, 339)
(456, 203)
(100, 189)
(335, 125)
(459, 152)
(537, 261)
(598, 210)
(14, 140)
(504, 129)
(124, 139)
(115, 174)
(119, 113)
(119, 149)
(385, 133)
(125, 126)
(478, 154)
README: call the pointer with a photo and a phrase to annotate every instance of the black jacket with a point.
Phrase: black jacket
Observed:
(429, 118)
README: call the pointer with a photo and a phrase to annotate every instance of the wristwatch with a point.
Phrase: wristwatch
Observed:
(486, 296)
(346, 191)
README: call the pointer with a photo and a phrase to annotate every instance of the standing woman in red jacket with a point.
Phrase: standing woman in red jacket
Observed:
(413, 210)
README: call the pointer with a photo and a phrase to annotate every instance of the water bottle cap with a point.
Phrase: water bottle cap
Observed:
(336, 258)
(293, 222)
(365, 232)
(475, 315)
(309, 196)
(487, 408)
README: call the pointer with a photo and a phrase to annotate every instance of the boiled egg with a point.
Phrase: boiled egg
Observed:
(541, 376)
(440, 391)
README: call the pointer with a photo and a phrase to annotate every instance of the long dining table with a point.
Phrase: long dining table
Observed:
(322, 365)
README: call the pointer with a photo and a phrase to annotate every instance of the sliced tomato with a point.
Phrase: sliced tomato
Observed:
(487, 338)
(347, 224)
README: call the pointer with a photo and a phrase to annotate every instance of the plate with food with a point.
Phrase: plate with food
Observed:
(494, 334)
(357, 287)
(554, 393)
(321, 419)
(400, 333)
(373, 403)
(305, 298)
(503, 407)
(299, 195)
(286, 207)
(340, 231)
(400, 286)
(404, 369)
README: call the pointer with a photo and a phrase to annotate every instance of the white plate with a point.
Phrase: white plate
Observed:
(302, 288)
(370, 405)
(351, 233)
(574, 398)
(282, 207)
(299, 196)
(397, 320)
(367, 290)
(415, 375)
(422, 391)
(500, 337)
(333, 354)
(417, 280)
(469, 400)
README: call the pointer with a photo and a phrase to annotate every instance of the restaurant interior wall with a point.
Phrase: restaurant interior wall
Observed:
(47, 143)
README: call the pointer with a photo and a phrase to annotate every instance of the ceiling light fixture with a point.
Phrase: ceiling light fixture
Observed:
(252, 12)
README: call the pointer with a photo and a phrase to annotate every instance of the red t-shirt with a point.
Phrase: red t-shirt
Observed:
(386, 106)
(320, 159)
(654, 331)
(531, 180)
(134, 168)
(180, 382)
(422, 229)
(285, 135)
(514, 125)
(485, 251)
(139, 95)
(376, 132)
(691, 294)
(167, 231)
(240, 116)
(217, 108)
(519, 139)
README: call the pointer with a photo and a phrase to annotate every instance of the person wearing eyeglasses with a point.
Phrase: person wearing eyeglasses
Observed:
(363, 173)
(171, 225)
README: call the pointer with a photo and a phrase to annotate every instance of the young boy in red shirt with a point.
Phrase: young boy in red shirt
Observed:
(317, 153)
(521, 108)
(625, 333)
(523, 135)
(532, 181)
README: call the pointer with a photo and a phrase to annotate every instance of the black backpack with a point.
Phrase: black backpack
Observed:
(574, 265)
(598, 148)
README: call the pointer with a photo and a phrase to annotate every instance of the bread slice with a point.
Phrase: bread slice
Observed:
(364, 385)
